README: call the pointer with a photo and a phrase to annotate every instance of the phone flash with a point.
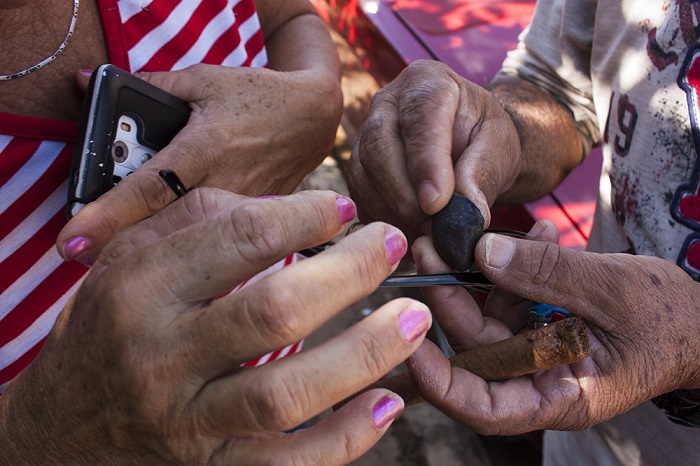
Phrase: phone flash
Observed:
(126, 126)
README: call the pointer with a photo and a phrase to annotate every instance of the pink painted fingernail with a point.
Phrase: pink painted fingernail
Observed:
(76, 247)
(386, 410)
(413, 323)
(346, 209)
(86, 72)
(395, 244)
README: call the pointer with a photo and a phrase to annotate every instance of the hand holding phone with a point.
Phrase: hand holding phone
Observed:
(125, 121)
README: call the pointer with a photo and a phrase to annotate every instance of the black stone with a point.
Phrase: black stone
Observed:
(456, 230)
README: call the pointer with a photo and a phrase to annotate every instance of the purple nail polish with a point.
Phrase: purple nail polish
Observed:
(76, 247)
(346, 209)
(386, 410)
(413, 323)
(395, 244)
(86, 72)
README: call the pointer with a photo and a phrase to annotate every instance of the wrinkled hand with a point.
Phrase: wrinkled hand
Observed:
(143, 365)
(430, 133)
(642, 318)
(252, 131)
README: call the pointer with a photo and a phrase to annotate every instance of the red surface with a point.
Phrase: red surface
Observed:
(472, 37)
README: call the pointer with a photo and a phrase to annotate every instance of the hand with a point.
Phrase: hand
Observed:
(642, 318)
(143, 365)
(252, 131)
(431, 133)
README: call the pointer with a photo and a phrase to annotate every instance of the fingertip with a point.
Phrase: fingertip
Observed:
(536, 229)
(386, 410)
(395, 244)
(544, 230)
(414, 321)
(74, 247)
(82, 78)
(346, 209)
(427, 196)
(498, 250)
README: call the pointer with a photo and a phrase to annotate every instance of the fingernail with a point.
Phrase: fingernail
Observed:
(386, 410)
(395, 244)
(499, 250)
(413, 323)
(346, 209)
(86, 72)
(536, 229)
(267, 197)
(427, 194)
(76, 247)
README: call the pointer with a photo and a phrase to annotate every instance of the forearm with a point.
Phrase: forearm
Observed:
(300, 49)
(550, 143)
(297, 41)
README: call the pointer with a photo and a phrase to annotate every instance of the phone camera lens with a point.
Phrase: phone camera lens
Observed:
(120, 152)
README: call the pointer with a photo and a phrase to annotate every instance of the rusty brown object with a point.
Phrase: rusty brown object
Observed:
(562, 342)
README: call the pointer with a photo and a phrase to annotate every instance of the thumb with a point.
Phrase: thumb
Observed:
(545, 272)
(138, 196)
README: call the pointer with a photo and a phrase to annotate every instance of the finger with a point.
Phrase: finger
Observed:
(371, 205)
(427, 109)
(286, 392)
(490, 161)
(199, 263)
(550, 399)
(341, 438)
(82, 78)
(546, 273)
(198, 205)
(136, 197)
(288, 305)
(454, 307)
(508, 307)
(379, 160)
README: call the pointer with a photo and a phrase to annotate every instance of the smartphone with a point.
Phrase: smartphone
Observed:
(124, 122)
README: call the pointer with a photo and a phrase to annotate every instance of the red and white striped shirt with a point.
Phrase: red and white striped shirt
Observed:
(35, 155)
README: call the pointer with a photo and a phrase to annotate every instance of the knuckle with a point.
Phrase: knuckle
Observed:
(275, 405)
(372, 139)
(350, 445)
(150, 194)
(261, 235)
(406, 208)
(368, 268)
(373, 352)
(278, 315)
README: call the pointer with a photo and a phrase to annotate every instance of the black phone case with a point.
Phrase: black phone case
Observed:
(113, 92)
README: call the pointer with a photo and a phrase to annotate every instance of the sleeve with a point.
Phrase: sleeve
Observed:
(554, 52)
